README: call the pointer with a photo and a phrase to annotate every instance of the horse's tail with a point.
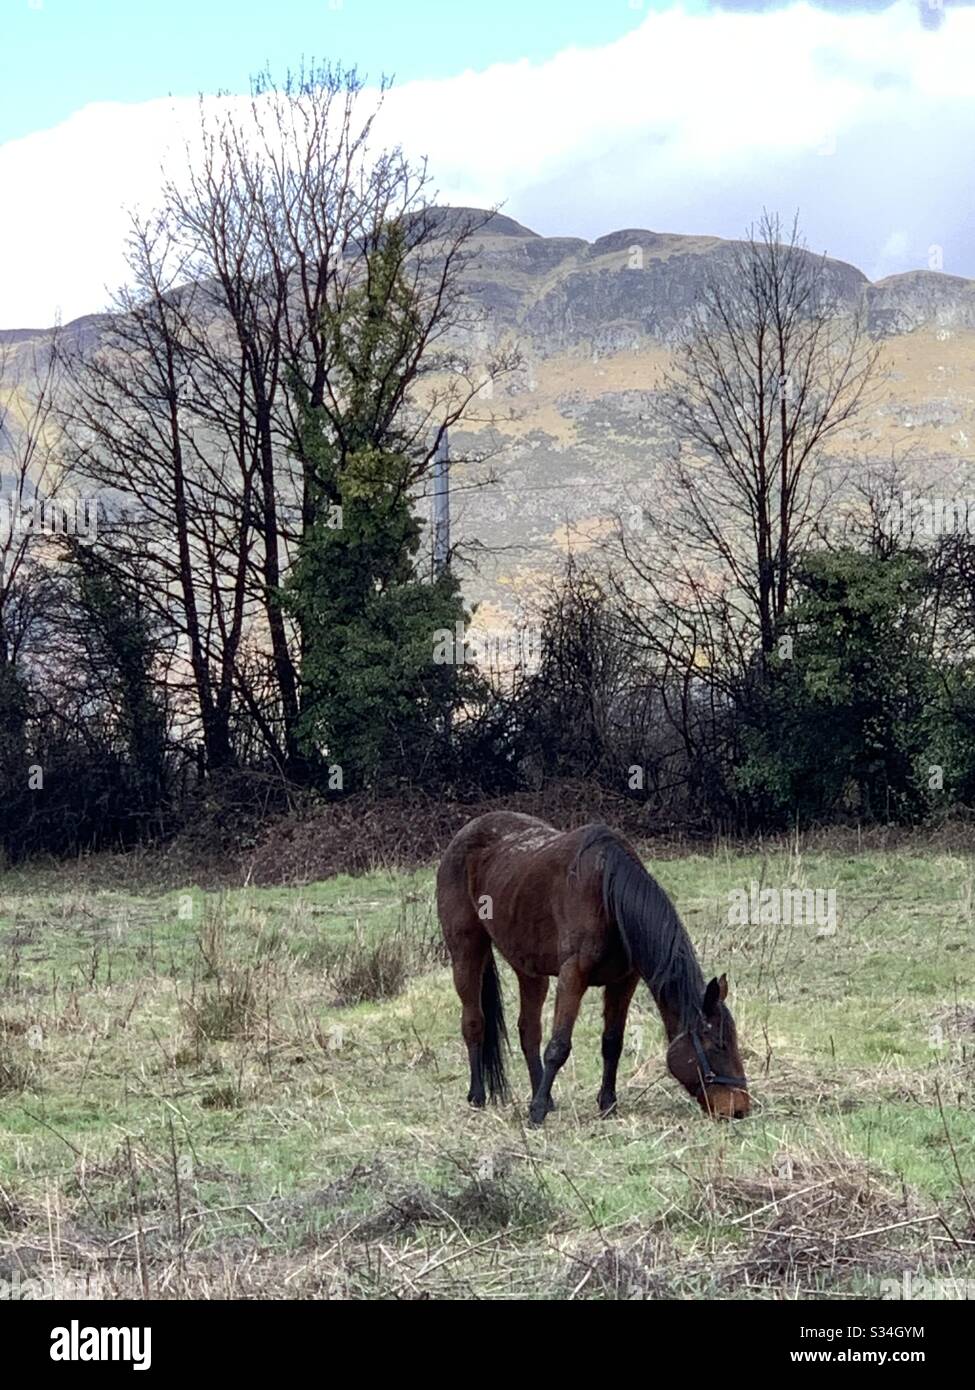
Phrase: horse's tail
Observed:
(495, 1032)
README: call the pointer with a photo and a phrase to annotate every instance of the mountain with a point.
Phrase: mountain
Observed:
(597, 323)
(560, 294)
(573, 436)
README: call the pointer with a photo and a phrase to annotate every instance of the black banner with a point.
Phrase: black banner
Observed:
(168, 1338)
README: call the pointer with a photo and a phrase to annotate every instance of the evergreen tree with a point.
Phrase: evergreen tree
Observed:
(374, 700)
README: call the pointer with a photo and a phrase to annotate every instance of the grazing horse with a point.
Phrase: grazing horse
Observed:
(579, 906)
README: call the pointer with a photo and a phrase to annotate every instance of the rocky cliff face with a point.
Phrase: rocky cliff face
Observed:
(576, 440)
(597, 323)
(563, 294)
(919, 299)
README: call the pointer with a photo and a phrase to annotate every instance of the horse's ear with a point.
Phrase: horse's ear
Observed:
(715, 994)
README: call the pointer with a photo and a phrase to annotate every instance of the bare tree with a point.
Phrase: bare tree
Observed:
(769, 373)
(771, 370)
(31, 481)
(175, 493)
(245, 297)
(30, 514)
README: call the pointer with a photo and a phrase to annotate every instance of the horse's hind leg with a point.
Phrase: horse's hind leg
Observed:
(533, 989)
(468, 945)
(469, 960)
(572, 985)
(616, 1006)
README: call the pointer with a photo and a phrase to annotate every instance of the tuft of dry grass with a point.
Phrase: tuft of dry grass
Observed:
(226, 1010)
(369, 971)
(821, 1219)
(17, 1065)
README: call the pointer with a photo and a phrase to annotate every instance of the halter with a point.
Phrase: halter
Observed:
(708, 1076)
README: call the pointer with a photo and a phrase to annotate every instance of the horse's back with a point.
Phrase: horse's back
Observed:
(476, 851)
(482, 834)
(495, 825)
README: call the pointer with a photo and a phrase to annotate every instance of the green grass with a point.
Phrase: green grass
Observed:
(193, 1103)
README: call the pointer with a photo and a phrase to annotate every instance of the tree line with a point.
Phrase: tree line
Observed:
(254, 621)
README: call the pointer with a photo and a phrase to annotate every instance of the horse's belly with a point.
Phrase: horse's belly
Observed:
(613, 964)
(610, 972)
(533, 963)
(607, 970)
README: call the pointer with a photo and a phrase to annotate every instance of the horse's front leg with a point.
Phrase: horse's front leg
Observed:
(616, 1005)
(572, 985)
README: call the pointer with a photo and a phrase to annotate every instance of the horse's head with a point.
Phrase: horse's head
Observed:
(706, 1061)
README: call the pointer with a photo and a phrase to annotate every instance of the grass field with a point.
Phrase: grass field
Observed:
(261, 1092)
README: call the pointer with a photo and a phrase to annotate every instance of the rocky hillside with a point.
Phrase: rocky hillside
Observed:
(574, 438)
(597, 322)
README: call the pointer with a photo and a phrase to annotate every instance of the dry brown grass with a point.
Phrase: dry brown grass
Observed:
(830, 1217)
(365, 971)
(184, 1136)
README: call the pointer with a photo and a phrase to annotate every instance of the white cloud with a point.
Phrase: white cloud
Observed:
(690, 123)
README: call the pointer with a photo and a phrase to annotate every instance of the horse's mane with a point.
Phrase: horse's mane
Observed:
(653, 934)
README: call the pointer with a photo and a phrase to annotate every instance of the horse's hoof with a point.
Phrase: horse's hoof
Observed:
(607, 1106)
(476, 1102)
(536, 1115)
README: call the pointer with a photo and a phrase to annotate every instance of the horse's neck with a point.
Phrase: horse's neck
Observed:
(678, 1017)
(673, 1024)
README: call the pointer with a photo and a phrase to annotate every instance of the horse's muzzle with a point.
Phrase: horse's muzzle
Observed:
(725, 1102)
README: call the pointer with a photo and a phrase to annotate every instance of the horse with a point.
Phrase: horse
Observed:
(580, 907)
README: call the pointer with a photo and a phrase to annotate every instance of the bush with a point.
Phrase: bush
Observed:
(841, 721)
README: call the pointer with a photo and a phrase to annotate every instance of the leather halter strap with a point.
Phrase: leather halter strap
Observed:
(709, 1077)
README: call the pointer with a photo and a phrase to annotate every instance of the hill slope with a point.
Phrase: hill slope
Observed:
(573, 436)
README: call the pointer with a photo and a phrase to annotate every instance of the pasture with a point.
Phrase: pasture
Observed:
(260, 1092)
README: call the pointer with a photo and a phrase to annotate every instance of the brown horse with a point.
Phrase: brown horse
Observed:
(579, 906)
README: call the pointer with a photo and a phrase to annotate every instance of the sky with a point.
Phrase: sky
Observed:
(579, 117)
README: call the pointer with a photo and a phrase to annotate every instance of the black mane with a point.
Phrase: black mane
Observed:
(653, 934)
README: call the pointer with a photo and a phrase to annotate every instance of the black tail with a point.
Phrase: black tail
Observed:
(495, 1033)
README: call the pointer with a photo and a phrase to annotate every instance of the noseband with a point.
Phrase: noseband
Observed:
(708, 1076)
